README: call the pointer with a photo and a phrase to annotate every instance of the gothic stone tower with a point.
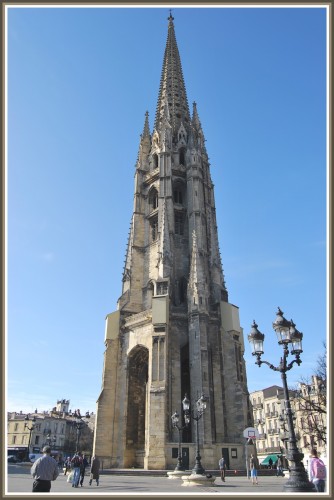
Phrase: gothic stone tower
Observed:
(174, 331)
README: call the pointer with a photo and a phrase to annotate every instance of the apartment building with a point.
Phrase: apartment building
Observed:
(309, 417)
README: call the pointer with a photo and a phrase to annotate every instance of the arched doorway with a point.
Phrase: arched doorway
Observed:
(136, 410)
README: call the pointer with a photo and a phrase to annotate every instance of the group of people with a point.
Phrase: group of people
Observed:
(317, 470)
(78, 464)
(45, 470)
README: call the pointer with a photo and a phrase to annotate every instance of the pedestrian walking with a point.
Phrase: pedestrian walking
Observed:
(67, 465)
(279, 471)
(76, 462)
(253, 465)
(222, 467)
(83, 469)
(317, 471)
(95, 471)
(44, 470)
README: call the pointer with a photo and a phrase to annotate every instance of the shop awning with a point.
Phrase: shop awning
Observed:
(274, 458)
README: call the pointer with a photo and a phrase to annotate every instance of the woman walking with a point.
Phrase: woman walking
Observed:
(94, 471)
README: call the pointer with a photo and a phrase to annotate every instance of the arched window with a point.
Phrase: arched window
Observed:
(154, 229)
(153, 199)
(179, 193)
(155, 161)
(179, 223)
(182, 156)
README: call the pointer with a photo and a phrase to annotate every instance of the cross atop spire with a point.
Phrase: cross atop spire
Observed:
(170, 18)
(172, 87)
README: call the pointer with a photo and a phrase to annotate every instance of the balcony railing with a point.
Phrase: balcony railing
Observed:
(273, 449)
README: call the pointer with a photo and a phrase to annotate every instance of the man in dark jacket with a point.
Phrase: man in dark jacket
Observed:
(83, 469)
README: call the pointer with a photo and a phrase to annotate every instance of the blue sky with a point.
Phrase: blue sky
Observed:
(79, 83)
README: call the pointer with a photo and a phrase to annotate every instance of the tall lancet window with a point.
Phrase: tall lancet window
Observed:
(153, 199)
(179, 193)
(182, 156)
(154, 228)
(179, 223)
(155, 161)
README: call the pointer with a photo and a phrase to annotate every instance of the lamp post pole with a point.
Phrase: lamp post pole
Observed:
(79, 423)
(287, 334)
(33, 420)
(175, 423)
(196, 414)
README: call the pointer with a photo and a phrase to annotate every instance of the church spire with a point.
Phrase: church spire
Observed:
(146, 131)
(172, 87)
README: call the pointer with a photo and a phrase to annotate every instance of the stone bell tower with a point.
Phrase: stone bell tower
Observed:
(174, 331)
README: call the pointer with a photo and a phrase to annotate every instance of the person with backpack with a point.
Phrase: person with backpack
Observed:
(222, 467)
(317, 471)
(76, 462)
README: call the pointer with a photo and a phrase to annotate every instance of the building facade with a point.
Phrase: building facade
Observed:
(309, 418)
(174, 331)
(29, 433)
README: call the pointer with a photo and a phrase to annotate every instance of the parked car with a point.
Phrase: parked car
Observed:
(34, 456)
(12, 459)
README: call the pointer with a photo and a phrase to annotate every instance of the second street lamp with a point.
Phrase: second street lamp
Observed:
(196, 414)
(287, 335)
(79, 423)
(30, 429)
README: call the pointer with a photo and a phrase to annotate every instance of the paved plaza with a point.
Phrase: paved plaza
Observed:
(19, 481)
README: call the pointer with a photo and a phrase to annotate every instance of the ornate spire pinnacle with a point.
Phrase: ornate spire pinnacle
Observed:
(164, 247)
(146, 131)
(172, 87)
(196, 286)
(144, 145)
(195, 119)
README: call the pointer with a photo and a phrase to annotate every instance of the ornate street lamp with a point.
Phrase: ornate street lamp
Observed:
(175, 423)
(30, 429)
(51, 440)
(78, 423)
(195, 414)
(287, 335)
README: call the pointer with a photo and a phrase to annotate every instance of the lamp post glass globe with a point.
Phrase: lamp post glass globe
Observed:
(186, 403)
(175, 419)
(256, 339)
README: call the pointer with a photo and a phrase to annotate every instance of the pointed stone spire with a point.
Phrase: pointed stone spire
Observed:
(172, 87)
(199, 134)
(146, 132)
(144, 145)
(195, 118)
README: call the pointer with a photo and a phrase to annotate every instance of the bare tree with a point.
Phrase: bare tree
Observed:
(312, 402)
